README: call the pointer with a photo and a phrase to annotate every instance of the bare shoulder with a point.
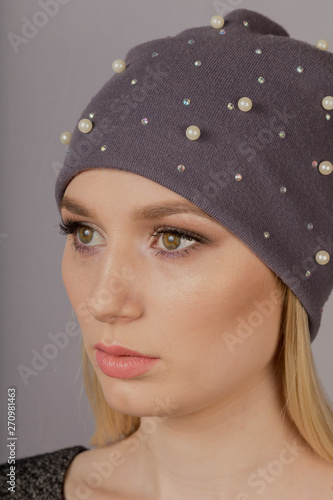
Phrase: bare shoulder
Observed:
(103, 473)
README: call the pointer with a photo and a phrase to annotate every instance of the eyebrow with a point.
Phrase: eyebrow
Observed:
(149, 212)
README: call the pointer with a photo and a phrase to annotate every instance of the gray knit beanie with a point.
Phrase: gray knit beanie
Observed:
(234, 116)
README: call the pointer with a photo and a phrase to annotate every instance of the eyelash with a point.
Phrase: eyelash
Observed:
(70, 226)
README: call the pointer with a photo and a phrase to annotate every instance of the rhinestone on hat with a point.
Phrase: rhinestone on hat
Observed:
(325, 167)
(261, 79)
(245, 104)
(193, 132)
(300, 69)
(91, 115)
(231, 106)
(315, 164)
(85, 125)
(186, 102)
(190, 41)
(327, 103)
(181, 168)
(217, 21)
(144, 121)
(258, 51)
(308, 274)
(238, 177)
(154, 54)
(328, 116)
(134, 81)
(267, 235)
(222, 32)
(66, 137)
(283, 189)
(245, 23)
(282, 134)
(103, 148)
(322, 257)
(310, 226)
(118, 65)
(197, 63)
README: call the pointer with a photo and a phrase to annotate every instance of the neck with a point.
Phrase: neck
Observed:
(236, 445)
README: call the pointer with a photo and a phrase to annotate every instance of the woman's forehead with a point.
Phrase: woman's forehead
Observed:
(151, 199)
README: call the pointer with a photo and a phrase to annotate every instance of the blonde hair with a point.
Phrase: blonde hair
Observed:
(305, 400)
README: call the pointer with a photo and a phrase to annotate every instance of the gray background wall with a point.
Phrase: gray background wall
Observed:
(44, 86)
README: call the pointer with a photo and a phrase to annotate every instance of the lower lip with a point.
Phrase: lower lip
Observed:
(123, 366)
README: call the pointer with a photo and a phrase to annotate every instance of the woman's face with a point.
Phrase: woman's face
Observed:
(208, 308)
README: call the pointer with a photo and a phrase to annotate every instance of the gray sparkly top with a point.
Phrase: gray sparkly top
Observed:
(39, 477)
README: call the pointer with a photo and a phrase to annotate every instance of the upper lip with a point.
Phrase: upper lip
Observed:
(118, 350)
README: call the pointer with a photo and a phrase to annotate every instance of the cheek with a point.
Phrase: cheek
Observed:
(77, 281)
(212, 296)
(65, 271)
(72, 277)
(220, 316)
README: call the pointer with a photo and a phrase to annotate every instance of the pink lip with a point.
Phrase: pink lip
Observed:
(119, 362)
(118, 350)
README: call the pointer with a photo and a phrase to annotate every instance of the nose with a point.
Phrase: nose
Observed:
(117, 287)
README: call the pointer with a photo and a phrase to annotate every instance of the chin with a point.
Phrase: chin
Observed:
(142, 400)
(124, 397)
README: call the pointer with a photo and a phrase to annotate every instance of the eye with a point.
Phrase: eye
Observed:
(173, 239)
(175, 242)
(84, 236)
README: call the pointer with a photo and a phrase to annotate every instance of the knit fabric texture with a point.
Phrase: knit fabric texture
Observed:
(264, 174)
(39, 477)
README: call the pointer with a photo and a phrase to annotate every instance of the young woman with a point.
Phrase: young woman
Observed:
(197, 209)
